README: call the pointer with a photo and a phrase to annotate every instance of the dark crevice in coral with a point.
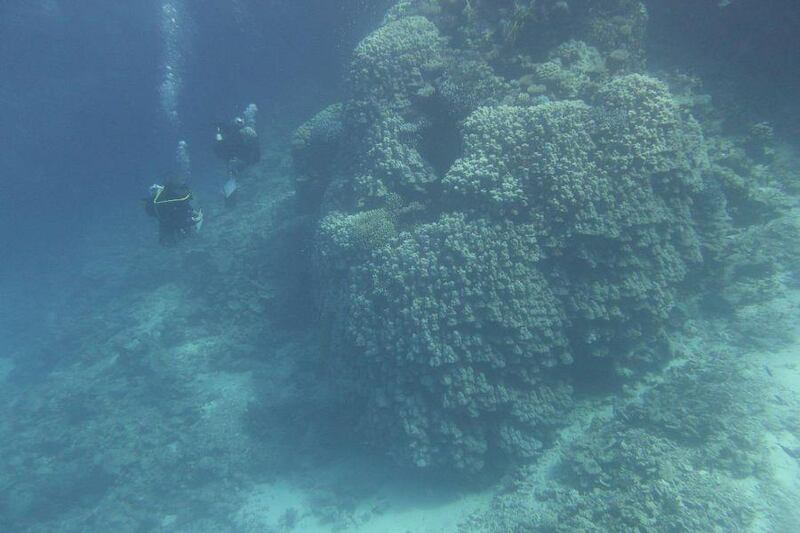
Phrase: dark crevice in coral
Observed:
(591, 374)
(441, 141)
(535, 30)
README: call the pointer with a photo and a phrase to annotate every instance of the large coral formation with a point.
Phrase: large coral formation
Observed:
(456, 327)
(590, 169)
(513, 211)
(611, 184)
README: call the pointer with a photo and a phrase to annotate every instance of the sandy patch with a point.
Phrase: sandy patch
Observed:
(782, 488)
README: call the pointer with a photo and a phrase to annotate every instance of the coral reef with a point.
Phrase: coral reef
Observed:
(395, 64)
(514, 216)
(699, 405)
(514, 33)
(572, 70)
(639, 483)
(342, 237)
(548, 289)
(669, 459)
(460, 309)
(316, 146)
(555, 230)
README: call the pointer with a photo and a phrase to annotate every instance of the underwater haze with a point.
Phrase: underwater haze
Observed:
(399, 266)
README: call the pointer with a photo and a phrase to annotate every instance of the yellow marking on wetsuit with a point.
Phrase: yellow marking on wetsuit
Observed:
(156, 203)
(158, 195)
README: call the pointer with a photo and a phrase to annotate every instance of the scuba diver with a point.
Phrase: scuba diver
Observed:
(171, 205)
(237, 144)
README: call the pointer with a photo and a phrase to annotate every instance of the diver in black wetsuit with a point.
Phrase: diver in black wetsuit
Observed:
(171, 205)
(237, 144)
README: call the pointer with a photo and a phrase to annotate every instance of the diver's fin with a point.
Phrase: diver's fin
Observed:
(230, 187)
(198, 219)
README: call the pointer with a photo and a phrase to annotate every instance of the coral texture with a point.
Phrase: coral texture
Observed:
(315, 147)
(455, 326)
(488, 241)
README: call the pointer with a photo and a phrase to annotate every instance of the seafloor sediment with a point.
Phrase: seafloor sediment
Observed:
(513, 282)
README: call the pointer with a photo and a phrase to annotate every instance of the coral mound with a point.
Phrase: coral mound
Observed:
(455, 327)
(488, 242)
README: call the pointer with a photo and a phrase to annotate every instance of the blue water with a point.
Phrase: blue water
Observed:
(86, 134)
(383, 333)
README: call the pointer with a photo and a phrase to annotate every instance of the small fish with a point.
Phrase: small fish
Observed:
(768, 371)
